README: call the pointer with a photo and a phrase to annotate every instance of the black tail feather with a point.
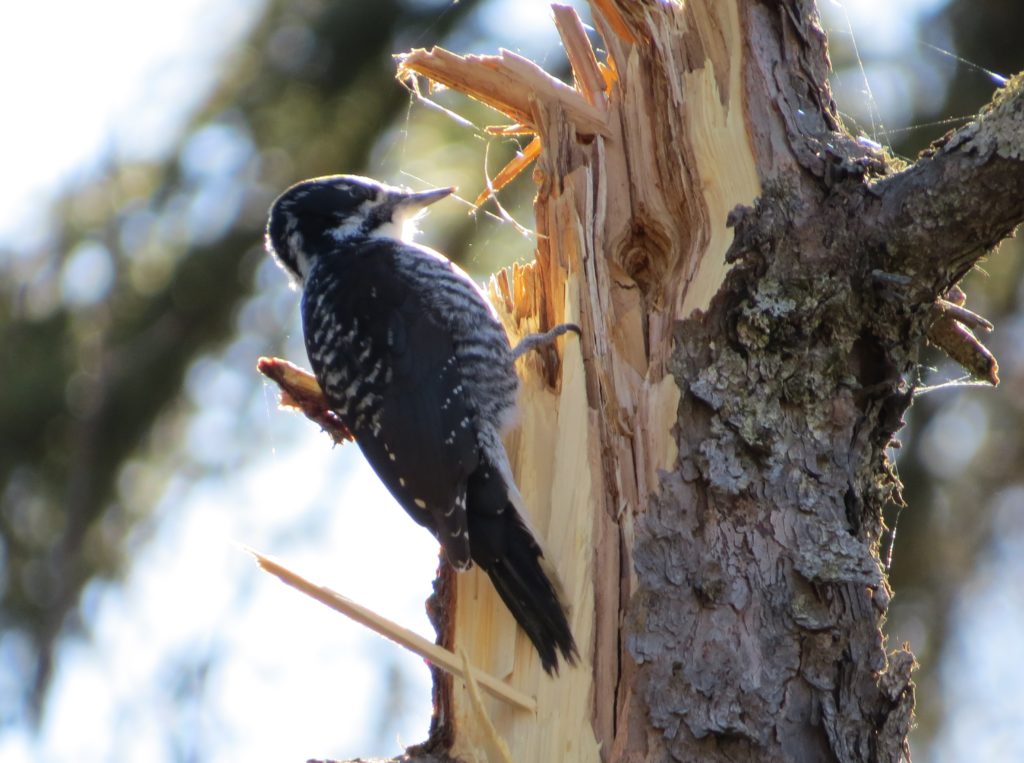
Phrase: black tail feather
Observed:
(506, 550)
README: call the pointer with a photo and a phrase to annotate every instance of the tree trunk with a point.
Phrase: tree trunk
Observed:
(708, 462)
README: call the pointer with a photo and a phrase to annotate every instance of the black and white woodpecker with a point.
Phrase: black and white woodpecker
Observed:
(412, 359)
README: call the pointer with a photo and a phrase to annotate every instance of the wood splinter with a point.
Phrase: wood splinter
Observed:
(960, 343)
(415, 643)
(300, 391)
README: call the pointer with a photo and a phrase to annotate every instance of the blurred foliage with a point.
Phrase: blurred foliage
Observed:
(147, 269)
(151, 268)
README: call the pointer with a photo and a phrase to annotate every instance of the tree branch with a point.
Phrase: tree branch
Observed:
(959, 200)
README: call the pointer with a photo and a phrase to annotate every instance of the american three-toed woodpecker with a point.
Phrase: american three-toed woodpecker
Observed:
(412, 359)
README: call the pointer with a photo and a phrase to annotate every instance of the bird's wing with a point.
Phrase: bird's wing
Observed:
(386, 361)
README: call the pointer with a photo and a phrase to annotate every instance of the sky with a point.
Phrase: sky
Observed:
(118, 79)
(89, 82)
(195, 592)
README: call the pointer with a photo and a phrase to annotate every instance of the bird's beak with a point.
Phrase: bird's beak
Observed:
(420, 199)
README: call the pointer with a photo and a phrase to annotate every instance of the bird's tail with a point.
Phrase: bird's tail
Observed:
(506, 549)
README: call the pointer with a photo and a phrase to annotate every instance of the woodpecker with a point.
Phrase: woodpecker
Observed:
(413, 360)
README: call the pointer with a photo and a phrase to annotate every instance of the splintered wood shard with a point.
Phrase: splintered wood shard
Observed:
(587, 72)
(436, 655)
(495, 747)
(507, 83)
(960, 343)
(962, 315)
(508, 173)
(300, 391)
(609, 11)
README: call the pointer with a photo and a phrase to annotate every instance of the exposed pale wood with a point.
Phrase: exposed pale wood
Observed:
(548, 442)
(589, 449)
(402, 636)
(711, 97)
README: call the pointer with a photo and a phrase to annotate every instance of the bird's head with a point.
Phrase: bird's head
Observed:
(312, 217)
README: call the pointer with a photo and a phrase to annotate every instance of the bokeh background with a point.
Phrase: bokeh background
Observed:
(140, 148)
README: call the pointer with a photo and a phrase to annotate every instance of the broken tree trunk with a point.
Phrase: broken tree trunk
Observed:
(708, 462)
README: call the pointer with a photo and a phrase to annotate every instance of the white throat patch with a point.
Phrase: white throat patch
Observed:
(401, 226)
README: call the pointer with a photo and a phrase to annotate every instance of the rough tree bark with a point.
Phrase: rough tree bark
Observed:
(708, 463)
